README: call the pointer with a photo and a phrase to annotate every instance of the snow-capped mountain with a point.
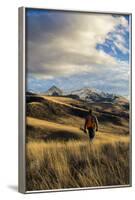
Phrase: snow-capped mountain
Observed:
(93, 95)
(87, 94)
(54, 91)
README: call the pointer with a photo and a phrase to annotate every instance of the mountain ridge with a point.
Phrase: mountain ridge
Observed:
(87, 94)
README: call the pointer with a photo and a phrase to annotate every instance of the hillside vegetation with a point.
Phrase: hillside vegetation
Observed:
(75, 164)
(60, 155)
(69, 111)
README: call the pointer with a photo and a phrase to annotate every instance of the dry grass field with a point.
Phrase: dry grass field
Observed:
(60, 155)
(55, 165)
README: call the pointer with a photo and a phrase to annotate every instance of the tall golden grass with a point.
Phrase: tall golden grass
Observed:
(75, 164)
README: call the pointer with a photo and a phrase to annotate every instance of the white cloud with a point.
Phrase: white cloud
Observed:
(121, 46)
(65, 44)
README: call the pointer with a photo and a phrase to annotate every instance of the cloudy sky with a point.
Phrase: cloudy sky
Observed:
(74, 50)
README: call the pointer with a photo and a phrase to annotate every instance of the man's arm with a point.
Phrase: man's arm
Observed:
(85, 124)
(96, 122)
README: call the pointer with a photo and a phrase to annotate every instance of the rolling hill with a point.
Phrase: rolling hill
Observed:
(60, 155)
(67, 111)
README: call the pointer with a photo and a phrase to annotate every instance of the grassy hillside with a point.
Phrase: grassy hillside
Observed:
(55, 165)
(58, 152)
(45, 130)
(72, 112)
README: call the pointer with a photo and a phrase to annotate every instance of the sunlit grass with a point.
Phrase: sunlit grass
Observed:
(73, 164)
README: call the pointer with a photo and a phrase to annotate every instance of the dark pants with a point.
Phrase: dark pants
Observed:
(91, 133)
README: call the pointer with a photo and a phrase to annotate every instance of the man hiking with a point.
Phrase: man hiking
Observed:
(91, 124)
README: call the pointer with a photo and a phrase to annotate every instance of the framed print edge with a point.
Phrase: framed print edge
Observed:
(130, 107)
(21, 92)
(22, 108)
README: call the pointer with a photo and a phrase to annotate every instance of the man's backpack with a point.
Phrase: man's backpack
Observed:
(91, 121)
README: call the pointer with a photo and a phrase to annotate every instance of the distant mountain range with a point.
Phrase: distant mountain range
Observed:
(93, 95)
(87, 94)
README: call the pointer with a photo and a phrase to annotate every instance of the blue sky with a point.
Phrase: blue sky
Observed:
(74, 50)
